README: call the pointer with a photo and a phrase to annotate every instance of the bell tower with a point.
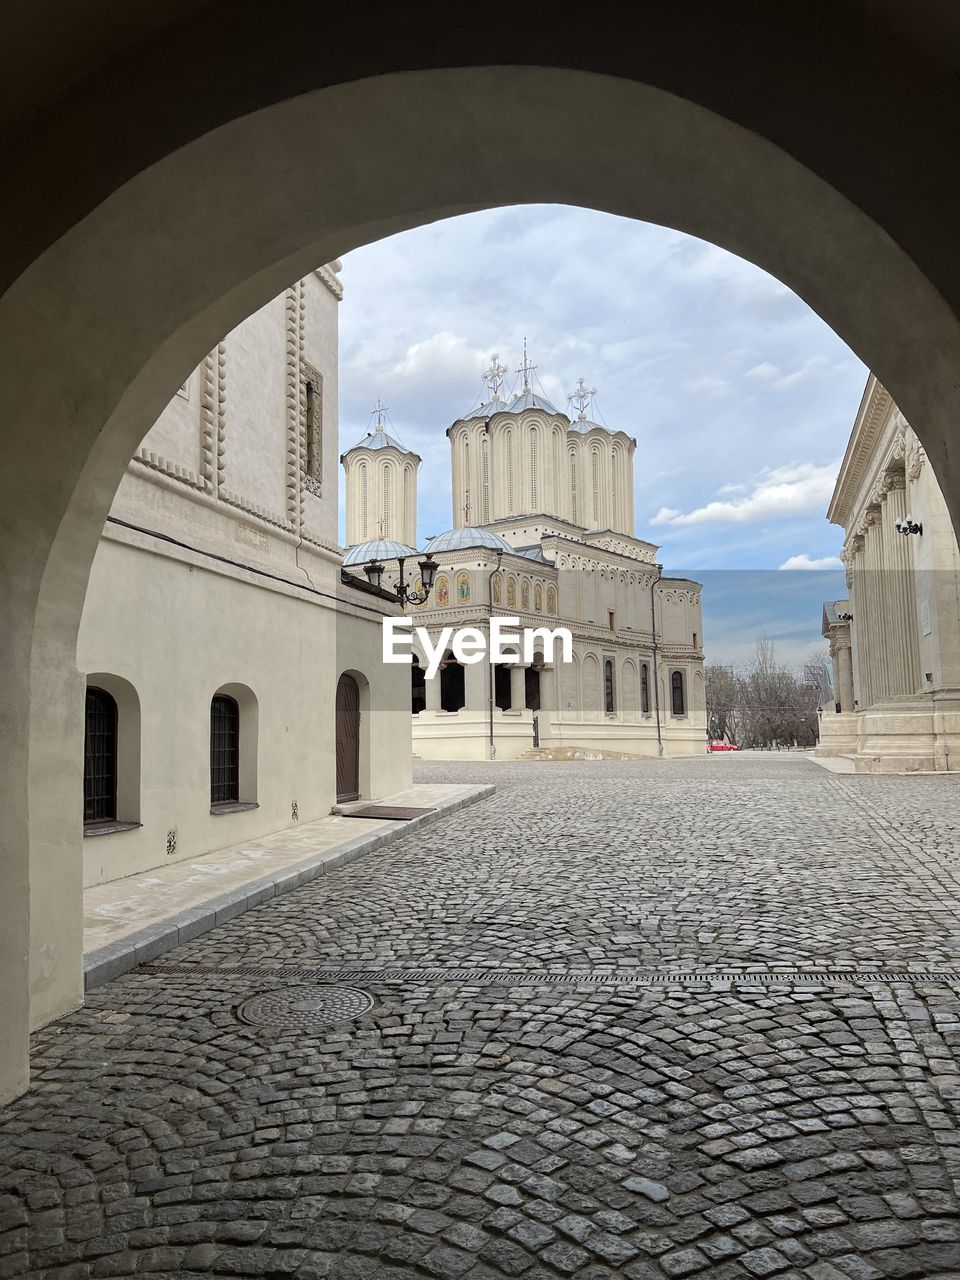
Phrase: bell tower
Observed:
(381, 486)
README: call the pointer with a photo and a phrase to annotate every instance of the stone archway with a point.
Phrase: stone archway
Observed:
(127, 253)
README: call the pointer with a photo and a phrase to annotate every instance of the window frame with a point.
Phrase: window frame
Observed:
(219, 802)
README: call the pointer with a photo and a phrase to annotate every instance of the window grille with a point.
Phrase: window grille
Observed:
(224, 750)
(100, 758)
(677, 693)
(608, 698)
(645, 688)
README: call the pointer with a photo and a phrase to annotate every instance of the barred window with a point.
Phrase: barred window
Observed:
(645, 688)
(224, 750)
(100, 758)
(608, 692)
(677, 693)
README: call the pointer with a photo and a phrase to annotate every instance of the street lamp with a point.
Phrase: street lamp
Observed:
(406, 595)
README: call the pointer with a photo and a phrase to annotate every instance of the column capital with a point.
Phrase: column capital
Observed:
(893, 478)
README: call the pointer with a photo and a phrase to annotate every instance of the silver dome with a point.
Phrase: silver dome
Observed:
(461, 539)
(381, 549)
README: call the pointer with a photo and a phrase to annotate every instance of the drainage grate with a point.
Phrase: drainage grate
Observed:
(565, 977)
(305, 1008)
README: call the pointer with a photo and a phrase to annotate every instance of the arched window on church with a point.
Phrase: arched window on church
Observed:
(609, 702)
(595, 459)
(509, 444)
(678, 694)
(533, 471)
(100, 758)
(452, 685)
(467, 513)
(573, 486)
(224, 750)
(486, 478)
(362, 482)
(645, 688)
(387, 494)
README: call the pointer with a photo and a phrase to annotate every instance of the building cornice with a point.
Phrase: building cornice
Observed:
(875, 407)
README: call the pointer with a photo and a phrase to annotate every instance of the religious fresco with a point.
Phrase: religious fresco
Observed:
(418, 590)
(552, 600)
(538, 598)
(495, 588)
(511, 593)
(463, 588)
(442, 590)
(525, 594)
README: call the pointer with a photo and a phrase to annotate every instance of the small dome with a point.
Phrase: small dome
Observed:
(381, 549)
(378, 440)
(461, 539)
(583, 425)
(528, 399)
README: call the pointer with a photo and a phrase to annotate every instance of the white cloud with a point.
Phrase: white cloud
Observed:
(779, 493)
(803, 561)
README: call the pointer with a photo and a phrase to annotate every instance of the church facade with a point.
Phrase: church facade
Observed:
(230, 662)
(543, 531)
(895, 639)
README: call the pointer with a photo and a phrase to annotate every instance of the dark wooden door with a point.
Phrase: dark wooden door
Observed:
(348, 739)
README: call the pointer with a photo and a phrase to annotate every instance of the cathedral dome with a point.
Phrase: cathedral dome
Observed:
(527, 399)
(583, 425)
(379, 439)
(379, 549)
(461, 539)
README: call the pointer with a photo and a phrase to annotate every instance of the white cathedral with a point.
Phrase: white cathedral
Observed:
(543, 531)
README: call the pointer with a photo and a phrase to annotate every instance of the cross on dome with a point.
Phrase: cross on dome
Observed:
(379, 410)
(581, 398)
(526, 369)
(494, 375)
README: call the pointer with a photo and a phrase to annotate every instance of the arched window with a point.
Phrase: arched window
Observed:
(362, 482)
(387, 495)
(100, 758)
(595, 459)
(510, 471)
(418, 687)
(224, 750)
(573, 487)
(452, 687)
(534, 500)
(645, 688)
(609, 702)
(677, 694)
(486, 478)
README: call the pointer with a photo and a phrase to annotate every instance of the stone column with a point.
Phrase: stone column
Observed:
(432, 690)
(862, 626)
(899, 595)
(835, 663)
(518, 688)
(875, 636)
(844, 666)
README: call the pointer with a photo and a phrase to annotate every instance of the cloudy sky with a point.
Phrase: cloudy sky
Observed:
(741, 399)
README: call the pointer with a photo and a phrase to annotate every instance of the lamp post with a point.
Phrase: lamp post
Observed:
(406, 595)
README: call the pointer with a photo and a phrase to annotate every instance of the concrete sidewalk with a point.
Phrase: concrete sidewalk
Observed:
(128, 922)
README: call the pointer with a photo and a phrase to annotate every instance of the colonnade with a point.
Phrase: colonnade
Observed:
(884, 606)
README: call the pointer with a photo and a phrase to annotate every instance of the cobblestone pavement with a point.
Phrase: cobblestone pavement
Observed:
(517, 1044)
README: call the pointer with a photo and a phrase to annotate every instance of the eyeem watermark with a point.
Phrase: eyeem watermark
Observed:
(469, 644)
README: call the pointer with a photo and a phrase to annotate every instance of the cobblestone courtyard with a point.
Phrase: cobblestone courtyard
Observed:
(517, 1044)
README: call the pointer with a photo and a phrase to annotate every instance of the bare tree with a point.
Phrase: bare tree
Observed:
(766, 704)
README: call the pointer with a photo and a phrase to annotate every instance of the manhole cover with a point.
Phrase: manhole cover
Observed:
(305, 1008)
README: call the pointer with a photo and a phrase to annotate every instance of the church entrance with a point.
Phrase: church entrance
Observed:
(452, 687)
(348, 739)
(418, 687)
(501, 686)
(531, 681)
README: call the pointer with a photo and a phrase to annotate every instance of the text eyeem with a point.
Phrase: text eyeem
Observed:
(469, 644)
